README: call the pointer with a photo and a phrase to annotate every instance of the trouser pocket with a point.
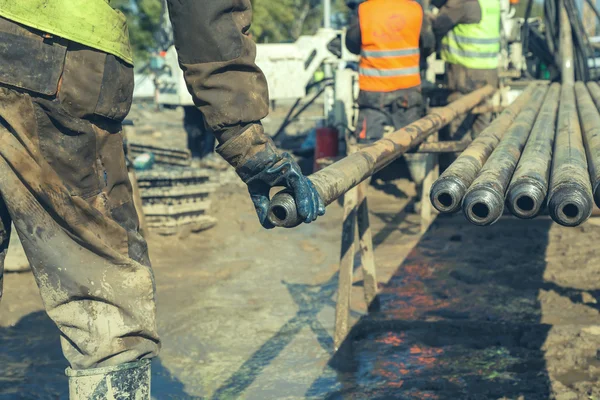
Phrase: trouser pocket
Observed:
(28, 61)
(95, 84)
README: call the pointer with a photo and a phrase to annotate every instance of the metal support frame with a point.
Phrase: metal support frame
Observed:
(428, 213)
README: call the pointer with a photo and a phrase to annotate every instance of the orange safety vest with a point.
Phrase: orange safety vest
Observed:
(390, 31)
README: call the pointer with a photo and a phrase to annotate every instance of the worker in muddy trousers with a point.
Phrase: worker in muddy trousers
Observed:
(66, 83)
(468, 32)
(391, 36)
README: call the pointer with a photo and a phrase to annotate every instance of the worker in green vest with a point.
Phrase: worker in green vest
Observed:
(469, 34)
(66, 83)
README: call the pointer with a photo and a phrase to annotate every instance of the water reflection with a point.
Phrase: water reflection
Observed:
(460, 319)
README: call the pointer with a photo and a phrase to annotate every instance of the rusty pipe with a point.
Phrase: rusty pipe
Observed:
(448, 191)
(529, 186)
(570, 198)
(453, 146)
(591, 127)
(484, 201)
(335, 180)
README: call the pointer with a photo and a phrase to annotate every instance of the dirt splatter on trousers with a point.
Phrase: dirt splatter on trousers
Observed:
(64, 184)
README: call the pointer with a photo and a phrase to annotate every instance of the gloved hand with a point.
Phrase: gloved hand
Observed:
(261, 166)
(285, 172)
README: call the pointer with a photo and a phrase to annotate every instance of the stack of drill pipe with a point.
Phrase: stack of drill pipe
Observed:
(483, 203)
(448, 191)
(544, 158)
(591, 127)
(570, 197)
(529, 186)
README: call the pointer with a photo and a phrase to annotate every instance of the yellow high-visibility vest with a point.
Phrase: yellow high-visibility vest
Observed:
(475, 46)
(93, 23)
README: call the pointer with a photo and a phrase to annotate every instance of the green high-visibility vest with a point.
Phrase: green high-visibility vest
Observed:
(93, 23)
(475, 45)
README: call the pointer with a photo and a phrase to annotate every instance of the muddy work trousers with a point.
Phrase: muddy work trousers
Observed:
(64, 184)
(383, 113)
(461, 81)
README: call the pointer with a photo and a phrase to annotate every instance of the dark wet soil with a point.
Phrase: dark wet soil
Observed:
(503, 312)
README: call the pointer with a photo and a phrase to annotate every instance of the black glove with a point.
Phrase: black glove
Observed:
(261, 166)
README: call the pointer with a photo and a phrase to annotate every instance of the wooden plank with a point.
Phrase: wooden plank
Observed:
(180, 174)
(428, 212)
(342, 308)
(183, 228)
(176, 209)
(178, 191)
(162, 221)
(365, 238)
(142, 148)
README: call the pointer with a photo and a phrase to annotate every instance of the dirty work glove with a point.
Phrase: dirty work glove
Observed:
(261, 166)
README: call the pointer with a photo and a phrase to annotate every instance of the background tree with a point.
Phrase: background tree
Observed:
(144, 18)
(273, 22)
(286, 20)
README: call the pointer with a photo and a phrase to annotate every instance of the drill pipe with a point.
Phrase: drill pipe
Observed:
(529, 186)
(335, 180)
(570, 198)
(591, 126)
(484, 201)
(448, 191)
(567, 65)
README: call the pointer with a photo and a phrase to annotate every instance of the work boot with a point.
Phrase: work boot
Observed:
(129, 381)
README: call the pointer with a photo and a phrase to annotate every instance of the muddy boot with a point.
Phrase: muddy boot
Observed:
(129, 381)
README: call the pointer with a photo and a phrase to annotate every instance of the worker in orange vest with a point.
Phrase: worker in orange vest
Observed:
(390, 36)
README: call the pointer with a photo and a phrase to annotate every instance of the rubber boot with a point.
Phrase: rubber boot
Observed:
(129, 381)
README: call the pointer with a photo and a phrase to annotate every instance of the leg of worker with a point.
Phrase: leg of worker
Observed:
(455, 81)
(71, 205)
(372, 125)
(475, 80)
(101, 299)
(405, 110)
(193, 123)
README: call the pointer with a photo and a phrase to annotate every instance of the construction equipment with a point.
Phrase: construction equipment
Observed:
(278, 61)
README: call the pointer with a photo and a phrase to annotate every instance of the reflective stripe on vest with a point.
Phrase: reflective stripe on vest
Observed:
(390, 31)
(93, 23)
(388, 72)
(475, 45)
